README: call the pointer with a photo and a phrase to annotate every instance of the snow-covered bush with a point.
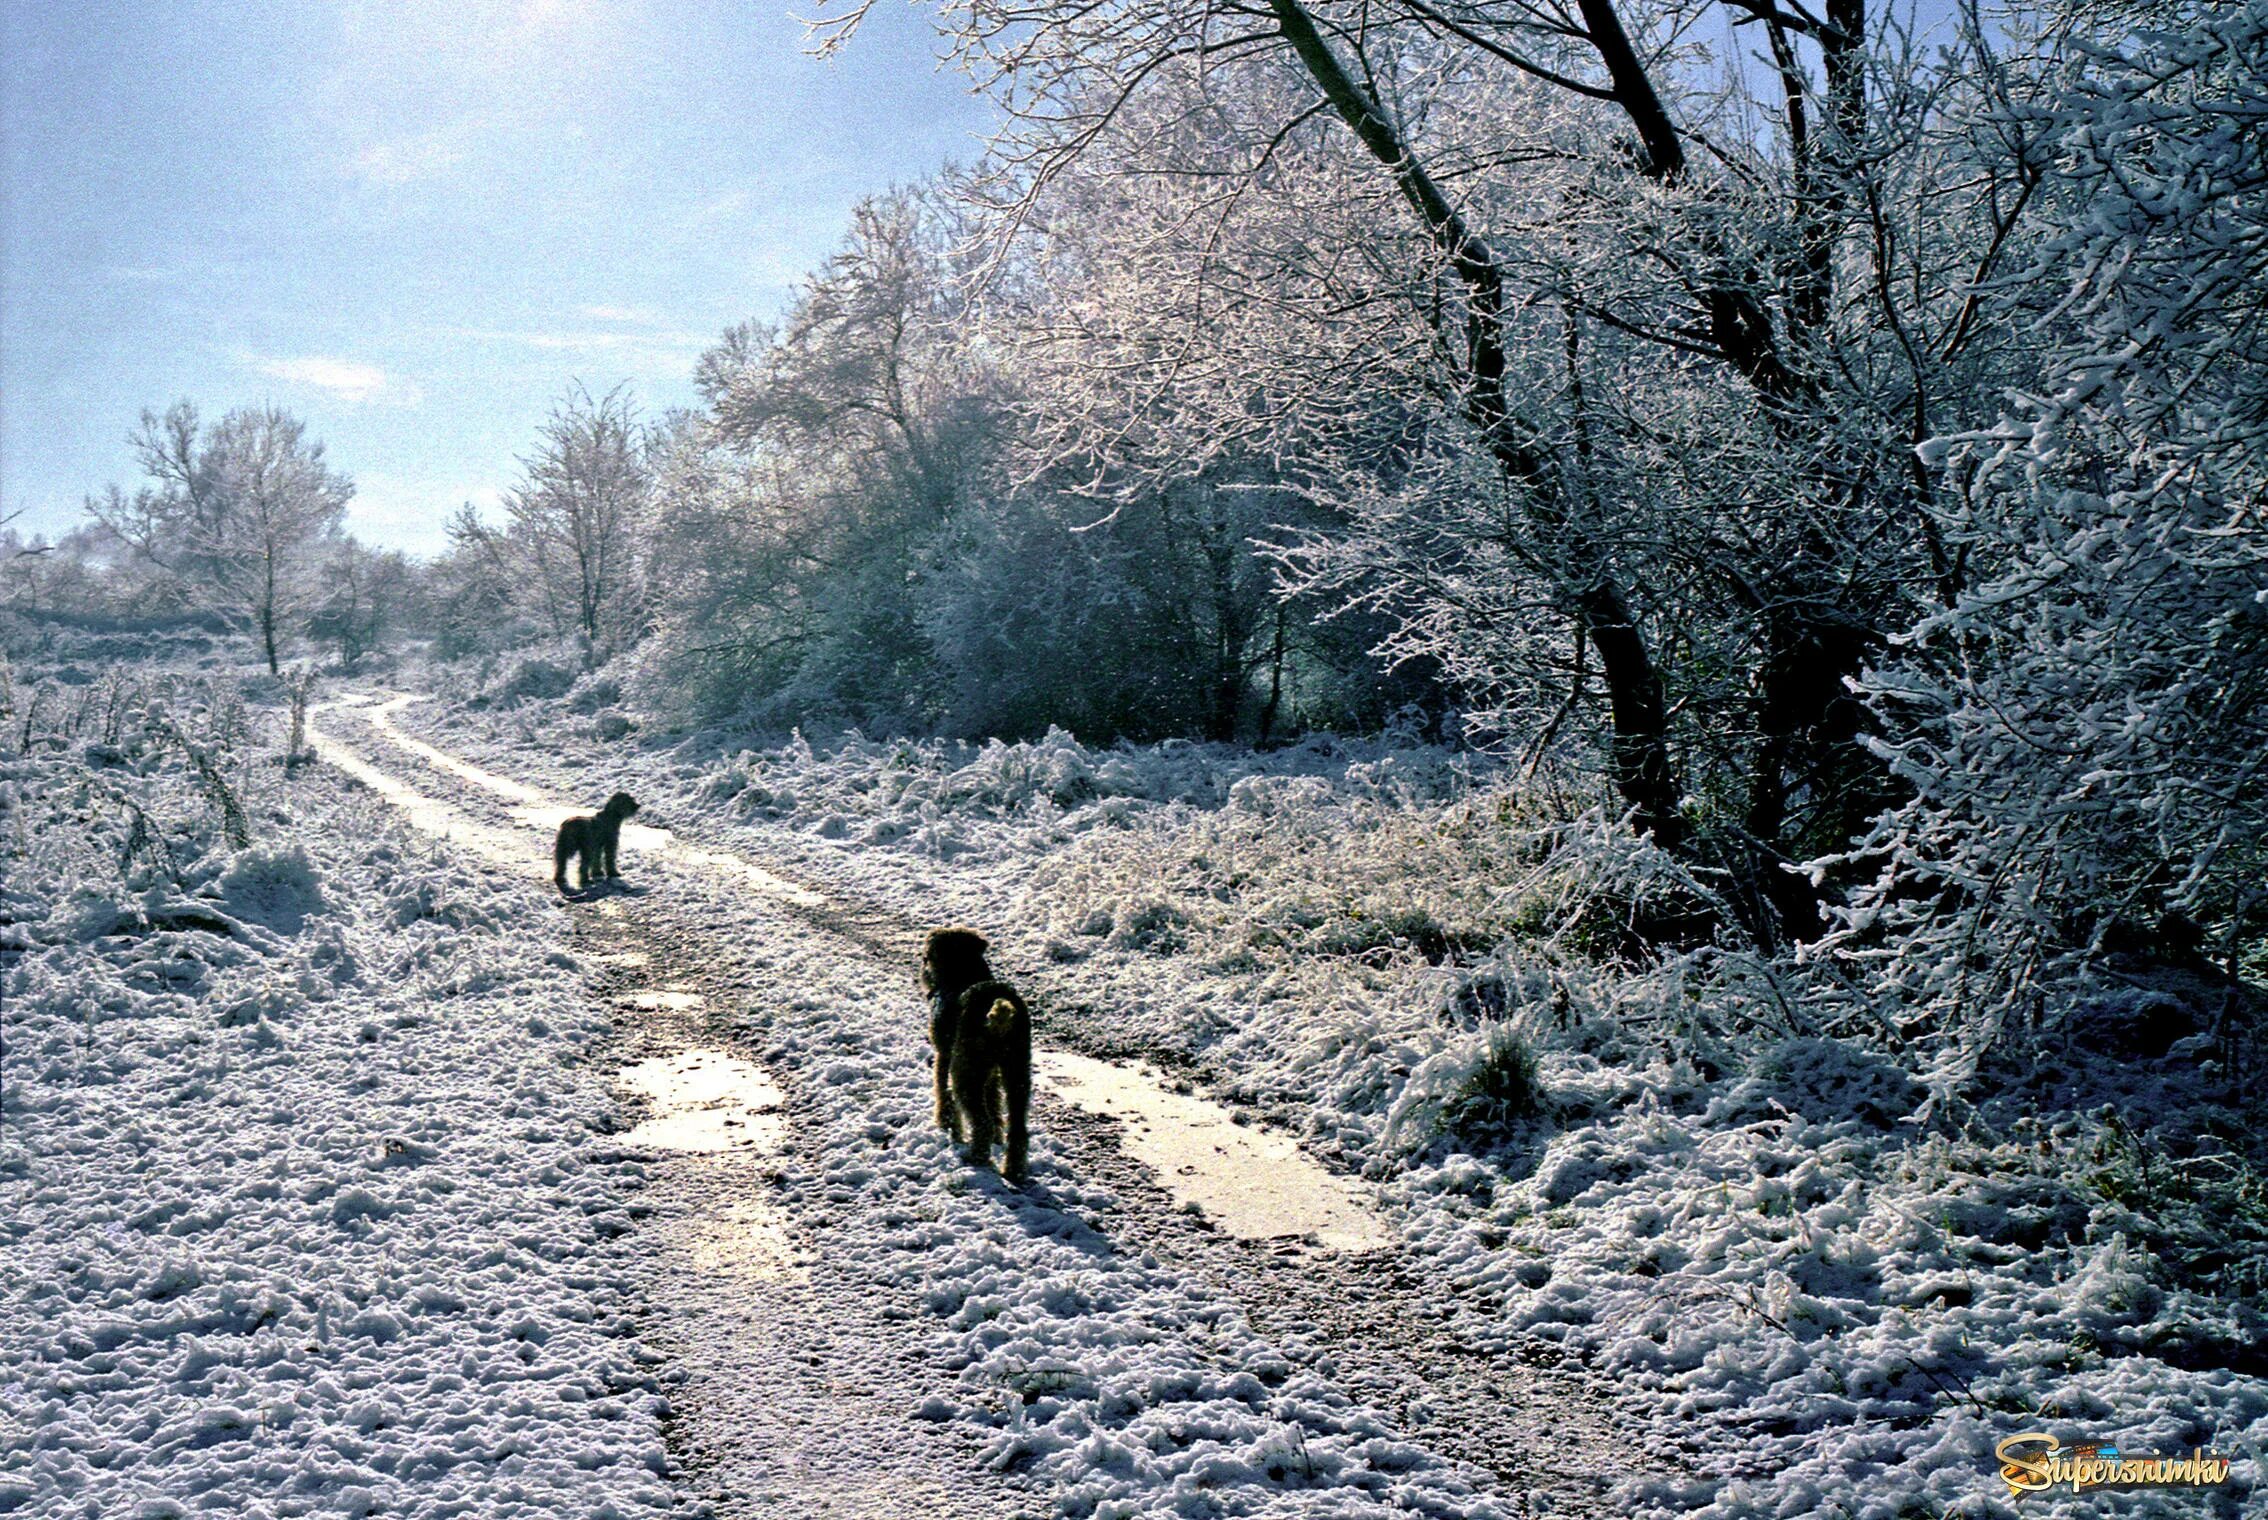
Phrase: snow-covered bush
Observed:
(530, 676)
(1473, 1090)
(2084, 731)
(274, 885)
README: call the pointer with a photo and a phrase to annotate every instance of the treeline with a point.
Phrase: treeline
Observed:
(1841, 449)
(241, 519)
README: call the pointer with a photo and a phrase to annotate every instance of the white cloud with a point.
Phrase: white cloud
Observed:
(349, 380)
(401, 160)
(647, 348)
(621, 313)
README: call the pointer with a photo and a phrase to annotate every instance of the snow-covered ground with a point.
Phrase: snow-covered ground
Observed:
(344, 1169)
(309, 1201)
(1825, 1307)
(1105, 1380)
(319, 1193)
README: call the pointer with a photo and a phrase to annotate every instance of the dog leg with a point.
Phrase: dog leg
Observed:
(970, 1075)
(1016, 1087)
(941, 1058)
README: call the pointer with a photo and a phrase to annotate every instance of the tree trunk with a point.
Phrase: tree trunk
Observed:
(1275, 682)
(1642, 770)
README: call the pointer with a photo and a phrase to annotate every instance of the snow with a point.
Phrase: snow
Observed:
(1829, 1304)
(336, 1179)
(1057, 1348)
(305, 1198)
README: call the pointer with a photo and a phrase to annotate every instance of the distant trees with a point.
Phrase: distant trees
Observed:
(474, 592)
(238, 514)
(363, 591)
(871, 521)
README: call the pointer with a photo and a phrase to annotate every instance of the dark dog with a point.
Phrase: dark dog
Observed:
(592, 841)
(982, 1034)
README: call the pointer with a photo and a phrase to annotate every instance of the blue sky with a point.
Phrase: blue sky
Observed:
(414, 223)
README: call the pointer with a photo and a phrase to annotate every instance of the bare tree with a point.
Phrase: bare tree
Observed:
(578, 511)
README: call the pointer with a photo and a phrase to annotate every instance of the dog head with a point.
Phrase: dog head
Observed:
(620, 805)
(952, 957)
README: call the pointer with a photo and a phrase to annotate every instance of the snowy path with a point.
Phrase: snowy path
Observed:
(857, 1323)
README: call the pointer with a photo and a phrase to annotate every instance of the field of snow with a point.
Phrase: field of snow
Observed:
(314, 1164)
(1662, 1166)
(305, 1178)
(318, 1203)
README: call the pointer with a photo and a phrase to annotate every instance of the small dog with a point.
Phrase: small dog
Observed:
(592, 841)
(982, 1035)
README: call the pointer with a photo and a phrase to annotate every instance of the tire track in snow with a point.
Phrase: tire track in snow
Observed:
(791, 1378)
(1374, 1325)
(1257, 1183)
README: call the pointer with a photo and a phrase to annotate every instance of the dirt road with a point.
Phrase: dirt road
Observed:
(854, 1323)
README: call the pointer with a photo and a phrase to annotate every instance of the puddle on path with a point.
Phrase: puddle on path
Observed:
(705, 1101)
(745, 1240)
(1253, 1182)
(663, 1001)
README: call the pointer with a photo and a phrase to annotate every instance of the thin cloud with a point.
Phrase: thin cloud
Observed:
(585, 341)
(621, 313)
(349, 380)
(404, 160)
(717, 208)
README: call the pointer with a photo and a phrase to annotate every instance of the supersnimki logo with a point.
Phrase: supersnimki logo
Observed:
(2036, 1461)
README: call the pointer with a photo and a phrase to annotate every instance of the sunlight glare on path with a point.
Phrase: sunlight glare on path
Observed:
(704, 1101)
(426, 814)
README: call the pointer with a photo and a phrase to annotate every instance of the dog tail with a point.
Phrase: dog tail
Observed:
(1000, 1019)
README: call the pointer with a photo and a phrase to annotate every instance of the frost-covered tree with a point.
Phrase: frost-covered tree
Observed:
(859, 425)
(363, 592)
(578, 512)
(1604, 330)
(870, 522)
(240, 513)
(2086, 728)
(474, 595)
